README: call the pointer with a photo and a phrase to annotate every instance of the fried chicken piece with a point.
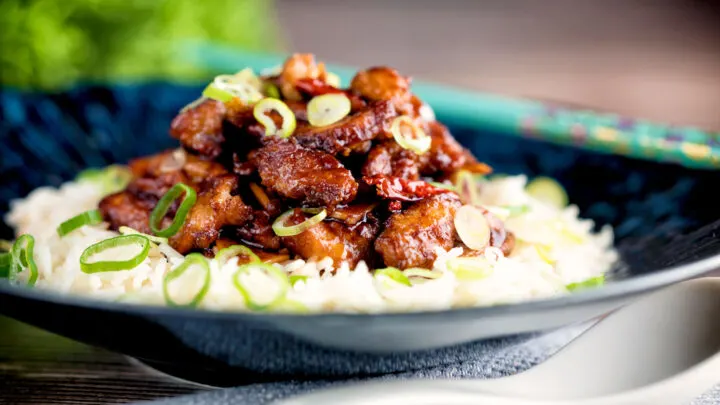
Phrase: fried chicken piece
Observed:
(382, 83)
(216, 207)
(125, 209)
(259, 231)
(391, 159)
(411, 236)
(330, 239)
(199, 128)
(313, 177)
(350, 133)
(299, 66)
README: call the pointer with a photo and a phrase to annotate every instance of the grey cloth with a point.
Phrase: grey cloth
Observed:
(508, 360)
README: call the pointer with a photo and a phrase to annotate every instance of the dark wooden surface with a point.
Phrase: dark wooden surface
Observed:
(37, 367)
(653, 59)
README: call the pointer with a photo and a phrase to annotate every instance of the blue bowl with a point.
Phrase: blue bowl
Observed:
(664, 218)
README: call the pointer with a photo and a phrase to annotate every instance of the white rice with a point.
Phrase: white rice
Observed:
(577, 254)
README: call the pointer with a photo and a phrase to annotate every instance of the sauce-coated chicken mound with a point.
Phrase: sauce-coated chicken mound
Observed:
(375, 188)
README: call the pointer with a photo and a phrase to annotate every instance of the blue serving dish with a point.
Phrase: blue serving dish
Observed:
(665, 221)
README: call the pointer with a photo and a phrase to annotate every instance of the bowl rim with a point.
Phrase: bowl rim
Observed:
(611, 291)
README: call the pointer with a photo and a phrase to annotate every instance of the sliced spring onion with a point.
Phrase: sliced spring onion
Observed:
(469, 268)
(112, 179)
(408, 135)
(394, 274)
(472, 227)
(424, 273)
(467, 187)
(89, 267)
(5, 263)
(92, 217)
(328, 109)
(235, 250)
(271, 90)
(247, 75)
(295, 278)
(545, 253)
(548, 191)
(193, 259)
(272, 271)
(268, 105)
(567, 233)
(22, 258)
(217, 93)
(446, 186)
(589, 283)
(226, 87)
(281, 229)
(291, 306)
(126, 230)
(162, 207)
(516, 210)
(333, 79)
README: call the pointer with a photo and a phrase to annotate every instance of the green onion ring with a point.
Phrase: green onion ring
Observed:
(5, 264)
(92, 217)
(424, 273)
(450, 187)
(231, 251)
(104, 266)
(22, 258)
(295, 278)
(272, 271)
(469, 268)
(217, 94)
(394, 274)
(281, 229)
(162, 207)
(418, 141)
(272, 90)
(190, 260)
(126, 230)
(589, 283)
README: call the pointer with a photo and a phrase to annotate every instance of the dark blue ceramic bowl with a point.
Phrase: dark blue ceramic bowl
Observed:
(664, 217)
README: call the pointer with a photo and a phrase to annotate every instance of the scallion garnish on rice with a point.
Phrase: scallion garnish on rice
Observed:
(231, 251)
(126, 230)
(279, 276)
(469, 268)
(92, 217)
(162, 207)
(192, 261)
(90, 267)
(22, 258)
(424, 273)
(393, 274)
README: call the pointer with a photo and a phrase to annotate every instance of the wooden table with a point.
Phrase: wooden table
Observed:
(658, 60)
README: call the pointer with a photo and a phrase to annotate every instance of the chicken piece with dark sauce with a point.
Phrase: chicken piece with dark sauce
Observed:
(312, 177)
(411, 237)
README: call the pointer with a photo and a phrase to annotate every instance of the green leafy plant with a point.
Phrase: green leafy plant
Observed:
(51, 44)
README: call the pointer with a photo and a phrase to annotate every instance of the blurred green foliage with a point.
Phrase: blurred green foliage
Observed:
(51, 44)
